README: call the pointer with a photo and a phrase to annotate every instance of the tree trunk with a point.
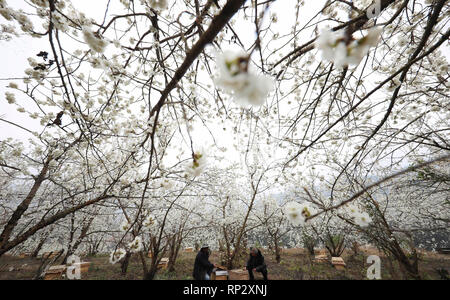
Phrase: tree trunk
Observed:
(151, 273)
(38, 248)
(71, 249)
(172, 254)
(125, 263)
(277, 252)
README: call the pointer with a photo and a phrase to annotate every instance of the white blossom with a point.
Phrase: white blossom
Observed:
(198, 164)
(125, 225)
(136, 245)
(334, 48)
(235, 78)
(149, 221)
(362, 219)
(13, 85)
(117, 255)
(298, 213)
(293, 212)
(158, 4)
(10, 97)
(96, 42)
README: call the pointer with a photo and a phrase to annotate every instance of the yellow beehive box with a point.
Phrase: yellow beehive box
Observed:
(321, 258)
(338, 263)
(238, 274)
(24, 255)
(55, 272)
(164, 263)
(189, 249)
(219, 275)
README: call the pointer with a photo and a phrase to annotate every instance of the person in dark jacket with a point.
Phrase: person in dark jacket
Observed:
(202, 266)
(256, 264)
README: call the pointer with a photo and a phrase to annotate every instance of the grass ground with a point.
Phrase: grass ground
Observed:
(295, 264)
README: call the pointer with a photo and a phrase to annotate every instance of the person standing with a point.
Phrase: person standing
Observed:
(202, 266)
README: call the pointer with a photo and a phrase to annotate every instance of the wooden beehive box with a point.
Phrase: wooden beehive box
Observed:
(219, 275)
(321, 258)
(150, 255)
(443, 250)
(189, 249)
(238, 274)
(164, 263)
(24, 255)
(55, 272)
(338, 263)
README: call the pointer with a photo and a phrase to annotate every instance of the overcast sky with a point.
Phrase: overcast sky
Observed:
(14, 53)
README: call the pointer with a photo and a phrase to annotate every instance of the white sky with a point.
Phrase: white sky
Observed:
(14, 54)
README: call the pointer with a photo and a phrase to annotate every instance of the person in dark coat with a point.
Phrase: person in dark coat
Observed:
(202, 266)
(256, 264)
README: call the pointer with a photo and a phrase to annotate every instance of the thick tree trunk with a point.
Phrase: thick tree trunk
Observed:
(173, 244)
(410, 270)
(277, 252)
(150, 275)
(125, 263)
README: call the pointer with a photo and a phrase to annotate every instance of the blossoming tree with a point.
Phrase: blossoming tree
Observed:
(137, 121)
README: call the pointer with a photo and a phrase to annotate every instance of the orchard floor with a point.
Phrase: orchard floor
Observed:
(295, 264)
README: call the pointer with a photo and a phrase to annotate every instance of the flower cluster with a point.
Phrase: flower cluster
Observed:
(136, 245)
(125, 225)
(117, 255)
(235, 78)
(149, 221)
(9, 14)
(166, 183)
(298, 213)
(158, 4)
(10, 97)
(360, 218)
(197, 165)
(335, 48)
(94, 40)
